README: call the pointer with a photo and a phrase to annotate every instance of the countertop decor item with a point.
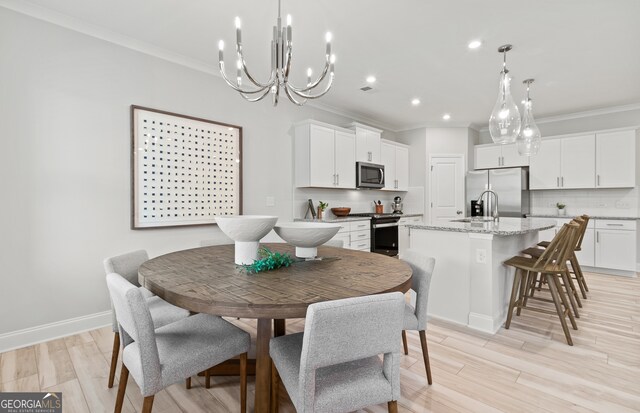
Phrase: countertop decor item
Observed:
(159, 197)
(561, 208)
(281, 50)
(246, 231)
(505, 122)
(341, 211)
(268, 260)
(321, 207)
(306, 236)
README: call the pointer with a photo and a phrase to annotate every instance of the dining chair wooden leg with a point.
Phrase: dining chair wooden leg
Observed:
(188, 383)
(279, 327)
(392, 406)
(147, 405)
(207, 379)
(122, 387)
(243, 383)
(512, 300)
(561, 313)
(404, 342)
(425, 355)
(275, 384)
(574, 290)
(577, 270)
(114, 358)
(565, 301)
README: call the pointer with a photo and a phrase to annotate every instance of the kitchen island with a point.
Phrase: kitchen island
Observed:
(470, 285)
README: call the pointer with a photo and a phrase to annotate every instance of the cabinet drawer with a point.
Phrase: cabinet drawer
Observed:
(360, 225)
(615, 224)
(359, 236)
(363, 245)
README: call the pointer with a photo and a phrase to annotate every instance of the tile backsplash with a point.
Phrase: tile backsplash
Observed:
(607, 202)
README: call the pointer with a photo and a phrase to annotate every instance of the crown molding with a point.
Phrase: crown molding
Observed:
(440, 124)
(583, 114)
(59, 19)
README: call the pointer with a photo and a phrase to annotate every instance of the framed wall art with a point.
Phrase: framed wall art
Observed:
(184, 170)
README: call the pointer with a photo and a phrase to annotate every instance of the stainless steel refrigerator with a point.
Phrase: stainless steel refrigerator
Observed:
(511, 185)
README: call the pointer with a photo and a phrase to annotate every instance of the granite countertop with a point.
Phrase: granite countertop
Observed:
(411, 215)
(571, 216)
(331, 220)
(505, 226)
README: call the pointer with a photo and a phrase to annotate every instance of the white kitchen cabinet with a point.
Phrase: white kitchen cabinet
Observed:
(616, 249)
(395, 158)
(345, 152)
(577, 162)
(324, 156)
(616, 159)
(566, 163)
(368, 145)
(355, 235)
(544, 168)
(403, 232)
(587, 254)
(499, 156)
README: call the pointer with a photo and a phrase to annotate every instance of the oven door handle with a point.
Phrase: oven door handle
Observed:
(394, 224)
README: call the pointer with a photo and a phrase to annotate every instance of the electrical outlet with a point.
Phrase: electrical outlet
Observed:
(481, 256)
(271, 201)
(602, 205)
(622, 204)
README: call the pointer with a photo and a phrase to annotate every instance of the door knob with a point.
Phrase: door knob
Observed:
(459, 212)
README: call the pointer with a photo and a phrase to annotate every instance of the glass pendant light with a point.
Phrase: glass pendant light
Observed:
(504, 123)
(529, 140)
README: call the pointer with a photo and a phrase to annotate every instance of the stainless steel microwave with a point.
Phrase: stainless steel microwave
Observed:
(369, 175)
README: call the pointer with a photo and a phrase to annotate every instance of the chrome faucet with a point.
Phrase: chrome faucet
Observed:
(494, 213)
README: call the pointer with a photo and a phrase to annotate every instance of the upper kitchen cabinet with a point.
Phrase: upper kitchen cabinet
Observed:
(324, 156)
(616, 159)
(368, 143)
(499, 156)
(395, 158)
(566, 163)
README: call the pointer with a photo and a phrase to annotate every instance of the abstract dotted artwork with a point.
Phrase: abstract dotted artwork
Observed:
(186, 171)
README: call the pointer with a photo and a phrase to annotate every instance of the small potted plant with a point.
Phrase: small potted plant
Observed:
(321, 207)
(561, 208)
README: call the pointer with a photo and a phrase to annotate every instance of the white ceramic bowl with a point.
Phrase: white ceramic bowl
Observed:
(306, 236)
(246, 231)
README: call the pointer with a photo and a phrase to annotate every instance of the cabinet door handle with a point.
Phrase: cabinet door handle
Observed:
(338, 179)
(503, 161)
(615, 225)
(558, 181)
(562, 181)
(334, 179)
(597, 236)
(598, 180)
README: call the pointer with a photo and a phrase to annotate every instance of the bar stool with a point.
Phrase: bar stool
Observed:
(551, 265)
(574, 297)
(575, 265)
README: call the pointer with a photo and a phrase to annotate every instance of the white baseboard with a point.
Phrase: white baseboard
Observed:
(46, 332)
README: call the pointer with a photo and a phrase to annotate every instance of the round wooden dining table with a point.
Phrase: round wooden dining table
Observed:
(206, 280)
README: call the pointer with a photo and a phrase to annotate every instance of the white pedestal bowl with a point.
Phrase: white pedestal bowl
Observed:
(306, 236)
(246, 231)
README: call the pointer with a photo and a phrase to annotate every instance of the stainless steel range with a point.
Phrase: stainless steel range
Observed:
(384, 232)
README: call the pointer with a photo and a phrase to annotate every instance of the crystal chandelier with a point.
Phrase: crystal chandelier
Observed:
(529, 140)
(281, 46)
(504, 123)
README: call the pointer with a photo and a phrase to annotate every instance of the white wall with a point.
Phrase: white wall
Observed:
(65, 163)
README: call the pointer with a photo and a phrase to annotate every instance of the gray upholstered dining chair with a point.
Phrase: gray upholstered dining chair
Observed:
(335, 365)
(162, 313)
(160, 357)
(416, 318)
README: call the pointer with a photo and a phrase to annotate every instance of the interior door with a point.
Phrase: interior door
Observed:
(446, 188)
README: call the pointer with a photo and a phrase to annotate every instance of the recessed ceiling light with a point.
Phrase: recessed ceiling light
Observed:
(474, 44)
(446, 116)
(371, 79)
(415, 102)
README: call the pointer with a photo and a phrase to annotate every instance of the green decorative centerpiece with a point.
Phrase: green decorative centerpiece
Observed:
(267, 261)
(561, 208)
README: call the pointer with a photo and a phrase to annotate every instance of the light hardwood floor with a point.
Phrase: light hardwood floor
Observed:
(528, 368)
